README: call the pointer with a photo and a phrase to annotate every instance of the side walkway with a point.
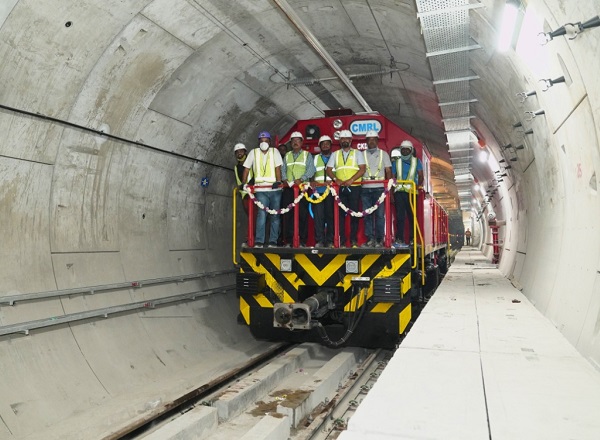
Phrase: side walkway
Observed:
(481, 363)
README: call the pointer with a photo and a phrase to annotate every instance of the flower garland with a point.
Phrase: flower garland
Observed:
(367, 211)
(318, 199)
(273, 211)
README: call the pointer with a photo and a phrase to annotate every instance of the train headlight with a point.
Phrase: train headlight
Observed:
(285, 265)
(352, 266)
(337, 124)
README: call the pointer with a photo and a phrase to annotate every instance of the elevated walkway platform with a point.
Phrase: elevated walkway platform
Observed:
(481, 362)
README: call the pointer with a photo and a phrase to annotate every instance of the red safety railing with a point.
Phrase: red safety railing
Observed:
(387, 204)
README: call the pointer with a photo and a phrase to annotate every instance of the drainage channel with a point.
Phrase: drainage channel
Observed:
(307, 391)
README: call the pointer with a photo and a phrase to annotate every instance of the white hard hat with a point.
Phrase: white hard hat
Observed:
(395, 153)
(345, 134)
(372, 134)
(239, 147)
(324, 138)
(296, 134)
(406, 144)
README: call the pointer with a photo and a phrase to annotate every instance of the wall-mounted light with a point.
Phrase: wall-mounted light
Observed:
(517, 125)
(571, 30)
(545, 84)
(507, 146)
(508, 167)
(520, 147)
(530, 131)
(530, 116)
(514, 159)
(502, 161)
(524, 95)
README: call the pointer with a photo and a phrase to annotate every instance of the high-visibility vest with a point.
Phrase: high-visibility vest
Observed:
(320, 165)
(295, 167)
(411, 174)
(368, 173)
(345, 170)
(264, 166)
(238, 179)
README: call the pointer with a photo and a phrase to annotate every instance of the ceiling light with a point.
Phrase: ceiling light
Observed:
(507, 29)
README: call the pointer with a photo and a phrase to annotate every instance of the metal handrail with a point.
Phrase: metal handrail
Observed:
(234, 227)
(10, 300)
(25, 327)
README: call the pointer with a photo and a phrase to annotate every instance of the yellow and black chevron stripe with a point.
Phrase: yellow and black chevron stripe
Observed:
(312, 270)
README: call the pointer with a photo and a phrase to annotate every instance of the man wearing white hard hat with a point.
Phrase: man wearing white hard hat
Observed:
(323, 211)
(346, 167)
(240, 153)
(298, 167)
(378, 167)
(405, 166)
(265, 164)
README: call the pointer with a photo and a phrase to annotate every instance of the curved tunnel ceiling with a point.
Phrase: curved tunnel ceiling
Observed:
(178, 82)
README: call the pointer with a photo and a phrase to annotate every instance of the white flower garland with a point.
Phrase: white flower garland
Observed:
(273, 211)
(367, 211)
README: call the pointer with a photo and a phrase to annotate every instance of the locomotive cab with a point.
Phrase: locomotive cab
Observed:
(345, 295)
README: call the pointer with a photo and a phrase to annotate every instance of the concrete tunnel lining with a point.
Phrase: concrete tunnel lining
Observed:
(80, 209)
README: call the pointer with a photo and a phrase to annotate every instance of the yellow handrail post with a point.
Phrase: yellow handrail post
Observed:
(234, 216)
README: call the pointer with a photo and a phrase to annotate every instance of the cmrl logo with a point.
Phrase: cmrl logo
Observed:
(361, 127)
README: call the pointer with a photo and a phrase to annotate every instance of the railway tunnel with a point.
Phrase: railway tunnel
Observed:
(118, 122)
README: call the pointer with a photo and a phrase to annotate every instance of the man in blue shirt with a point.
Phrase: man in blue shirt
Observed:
(405, 166)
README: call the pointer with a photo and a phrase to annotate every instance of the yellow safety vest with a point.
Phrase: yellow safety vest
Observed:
(320, 175)
(238, 179)
(368, 173)
(411, 174)
(264, 167)
(345, 170)
(295, 167)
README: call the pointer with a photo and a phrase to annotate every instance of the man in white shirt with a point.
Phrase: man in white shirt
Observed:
(265, 163)
(378, 167)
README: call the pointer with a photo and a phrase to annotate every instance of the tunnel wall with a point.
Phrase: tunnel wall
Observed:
(550, 201)
(80, 209)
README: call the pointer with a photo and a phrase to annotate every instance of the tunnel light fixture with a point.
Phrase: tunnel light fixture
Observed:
(545, 84)
(530, 131)
(514, 159)
(571, 30)
(484, 155)
(520, 147)
(508, 26)
(517, 125)
(507, 146)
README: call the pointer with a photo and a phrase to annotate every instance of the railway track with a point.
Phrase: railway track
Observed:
(305, 392)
